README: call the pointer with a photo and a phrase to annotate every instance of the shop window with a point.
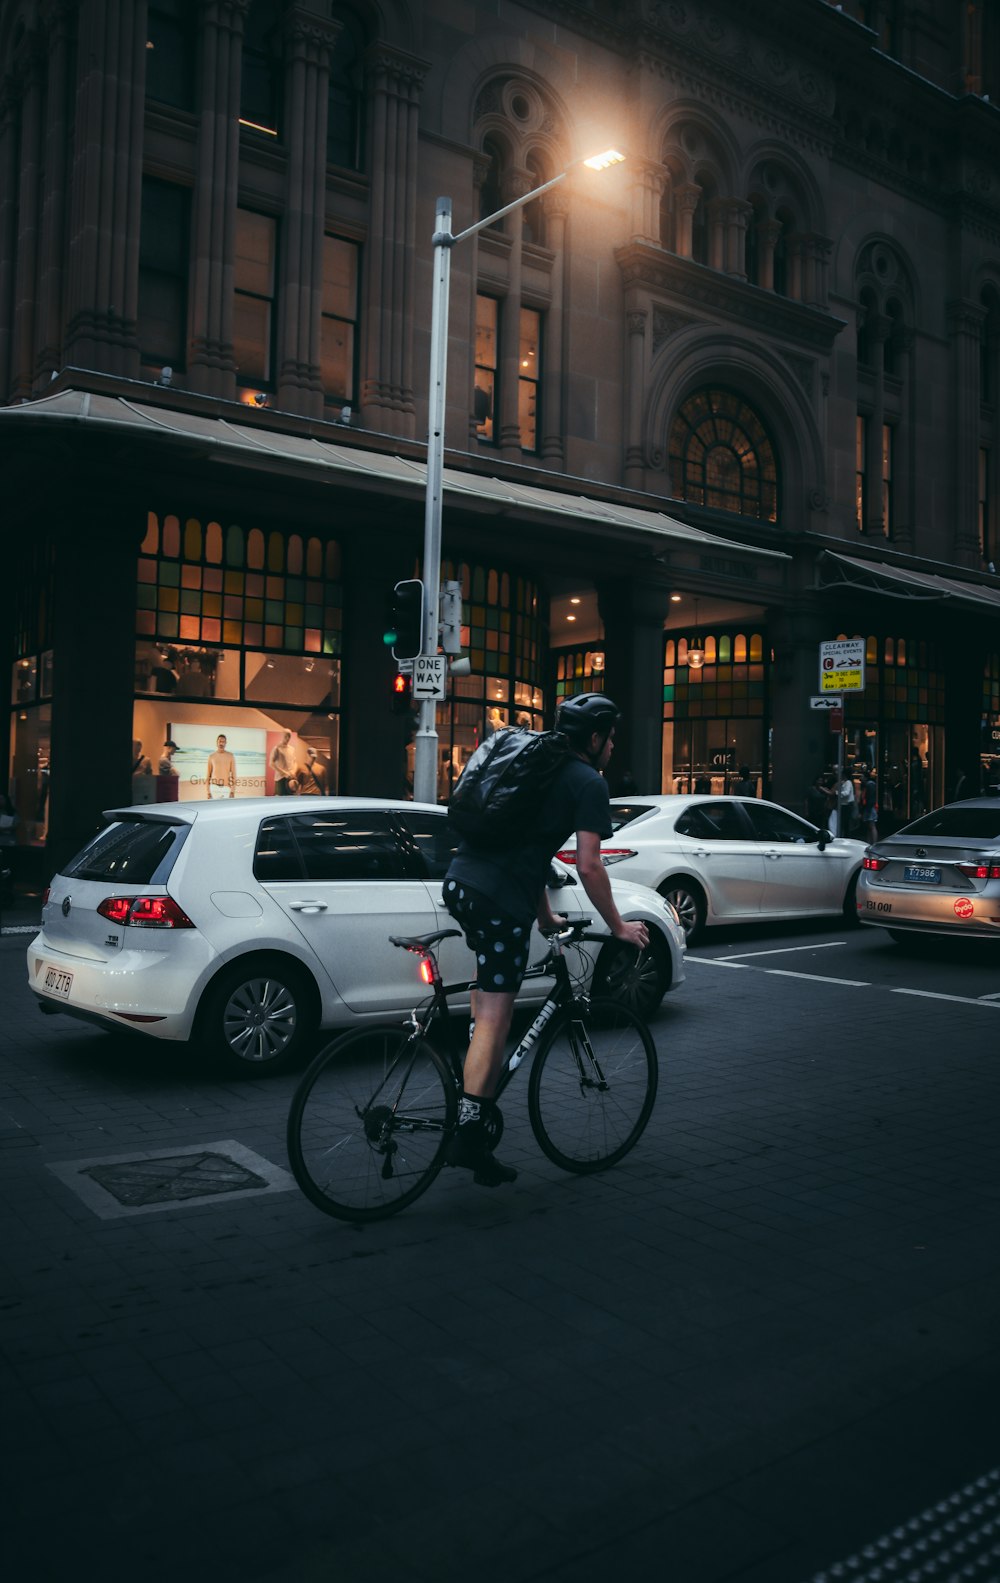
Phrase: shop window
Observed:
(345, 116)
(260, 93)
(485, 394)
(578, 671)
(339, 321)
(254, 288)
(721, 456)
(171, 52)
(163, 273)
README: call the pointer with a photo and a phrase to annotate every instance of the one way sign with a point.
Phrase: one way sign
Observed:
(827, 701)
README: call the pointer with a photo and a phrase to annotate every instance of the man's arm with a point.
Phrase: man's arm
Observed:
(594, 877)
(208, 777)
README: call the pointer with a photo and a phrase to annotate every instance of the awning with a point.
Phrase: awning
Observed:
(899, 582)
(249, 445)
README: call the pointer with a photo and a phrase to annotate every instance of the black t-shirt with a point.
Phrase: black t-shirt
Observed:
(514, 877)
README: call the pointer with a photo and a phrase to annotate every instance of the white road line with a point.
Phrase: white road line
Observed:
(963, 1000)
(995, 996)
(715, 961)
(817, 978)
(824, 945)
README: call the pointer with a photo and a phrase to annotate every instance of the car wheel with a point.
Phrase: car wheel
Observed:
(258, 1016)
(638, 980)
(688, 901)
(850, 899)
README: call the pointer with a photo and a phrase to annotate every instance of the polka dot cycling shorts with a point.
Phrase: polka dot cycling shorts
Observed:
(500, 943)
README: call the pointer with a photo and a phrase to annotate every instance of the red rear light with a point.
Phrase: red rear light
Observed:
(567, 855)
(116, 908)
(979, 870)
(875, 862)
(426, 971)
(145, 912)
(614, 854)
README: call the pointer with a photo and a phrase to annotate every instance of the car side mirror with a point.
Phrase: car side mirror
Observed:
(823, 840)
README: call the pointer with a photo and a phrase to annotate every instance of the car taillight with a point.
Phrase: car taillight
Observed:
(45, 898)
(614, 854)
(145, 912)
(567, 855)
(979, 870)
(874, 862)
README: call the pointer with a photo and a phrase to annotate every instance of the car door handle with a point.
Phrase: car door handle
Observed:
(774, 856)
(308, 906)
(701, 851)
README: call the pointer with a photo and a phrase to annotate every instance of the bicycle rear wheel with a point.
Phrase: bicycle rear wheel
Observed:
(593, 1084)
(369, 1123)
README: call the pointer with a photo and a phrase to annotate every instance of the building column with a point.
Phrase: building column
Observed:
(717, 213)
(768, 237)
(308, 43)
(633, 614)
(965, 326)
(904, 480)
(387, 378)
(737, 217)
(635, 394)
(211, 363)
(102, 277)
(52, 248)
(515, 185)
(800, 741)
(554, 348)
(686, 201)
(31, 71)
(649, 183)
(879, 329)
(815, 268)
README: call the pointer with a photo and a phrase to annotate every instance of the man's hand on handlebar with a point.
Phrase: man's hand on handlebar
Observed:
(633, 934)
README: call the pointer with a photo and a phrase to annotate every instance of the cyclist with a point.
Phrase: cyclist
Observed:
(496, 895)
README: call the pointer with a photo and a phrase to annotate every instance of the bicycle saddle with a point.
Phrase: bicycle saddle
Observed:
(422, 942)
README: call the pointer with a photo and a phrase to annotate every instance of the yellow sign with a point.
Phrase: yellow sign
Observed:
(842, 666)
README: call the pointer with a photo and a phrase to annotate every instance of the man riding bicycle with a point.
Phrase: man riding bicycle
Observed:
(495, 896)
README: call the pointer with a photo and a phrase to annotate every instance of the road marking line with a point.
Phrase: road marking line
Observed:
(716, 961)
(823, 945)
(817, 978)
(963, 1000)
(995, 996)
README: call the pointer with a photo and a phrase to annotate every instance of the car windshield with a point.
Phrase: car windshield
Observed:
(960, 820)
(133, 851)
(624, 813)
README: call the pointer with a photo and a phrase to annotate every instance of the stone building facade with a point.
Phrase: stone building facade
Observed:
(707, 409)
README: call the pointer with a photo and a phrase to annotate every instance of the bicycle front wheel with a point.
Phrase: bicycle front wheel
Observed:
(369, 1123)
(593, 1084)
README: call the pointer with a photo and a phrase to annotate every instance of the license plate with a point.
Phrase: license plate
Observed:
(57, 982)
(914, 874)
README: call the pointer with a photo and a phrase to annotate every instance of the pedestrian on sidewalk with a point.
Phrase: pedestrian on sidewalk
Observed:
(869, 806)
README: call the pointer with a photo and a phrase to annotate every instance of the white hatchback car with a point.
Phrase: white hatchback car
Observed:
(248, 924)
(731, 859)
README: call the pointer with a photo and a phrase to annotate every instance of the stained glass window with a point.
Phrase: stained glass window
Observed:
(722, 457)
(734, 688)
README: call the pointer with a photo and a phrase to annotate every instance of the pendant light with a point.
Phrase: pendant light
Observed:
(696, 654)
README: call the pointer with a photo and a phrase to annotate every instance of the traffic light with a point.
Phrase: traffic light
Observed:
(451, 618)
(405, 626)
(402, 694)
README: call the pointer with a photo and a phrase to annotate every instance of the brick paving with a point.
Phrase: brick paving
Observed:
(764, 1340)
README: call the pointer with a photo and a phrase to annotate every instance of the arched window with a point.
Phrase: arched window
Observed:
(721, 456)
(782, 253)
(699, 228)
(171, 52)
(345, 94)
(490, 199)
(534, 215)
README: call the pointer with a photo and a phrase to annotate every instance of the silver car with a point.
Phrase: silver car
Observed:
(730, 859)
(938, 875)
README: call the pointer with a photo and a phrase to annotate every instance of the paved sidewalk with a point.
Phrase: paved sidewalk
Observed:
(766, 1340)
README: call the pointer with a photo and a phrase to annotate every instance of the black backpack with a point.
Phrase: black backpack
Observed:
(505, 780)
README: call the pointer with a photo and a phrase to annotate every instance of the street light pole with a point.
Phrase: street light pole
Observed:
(425, 765)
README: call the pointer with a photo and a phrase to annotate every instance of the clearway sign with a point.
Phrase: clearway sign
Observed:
(827, 701)
(842, 666)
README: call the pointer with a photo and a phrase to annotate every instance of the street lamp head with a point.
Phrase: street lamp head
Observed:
(611, 156)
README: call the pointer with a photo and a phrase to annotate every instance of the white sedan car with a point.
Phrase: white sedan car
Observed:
(248, 924)
(730, 859)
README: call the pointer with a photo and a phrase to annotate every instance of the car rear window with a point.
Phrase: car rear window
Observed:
(623, 813)
(131, 852)
(970, 824)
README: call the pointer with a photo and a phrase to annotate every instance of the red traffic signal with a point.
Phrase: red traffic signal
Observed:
(402, 694)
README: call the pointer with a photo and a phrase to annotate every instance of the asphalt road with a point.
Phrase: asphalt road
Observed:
(764, 1346)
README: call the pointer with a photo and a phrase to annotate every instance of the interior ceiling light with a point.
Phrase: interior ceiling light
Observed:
(675, 599)
(696, 653)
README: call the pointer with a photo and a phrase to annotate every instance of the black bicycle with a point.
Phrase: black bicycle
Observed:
(372, 1116)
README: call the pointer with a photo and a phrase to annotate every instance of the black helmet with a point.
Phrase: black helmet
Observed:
(580, 717)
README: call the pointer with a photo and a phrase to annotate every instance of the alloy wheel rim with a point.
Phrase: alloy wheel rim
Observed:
(685, 907)
(260, 1020)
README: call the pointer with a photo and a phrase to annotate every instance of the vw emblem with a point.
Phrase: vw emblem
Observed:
(921, 851)
(66, 906)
